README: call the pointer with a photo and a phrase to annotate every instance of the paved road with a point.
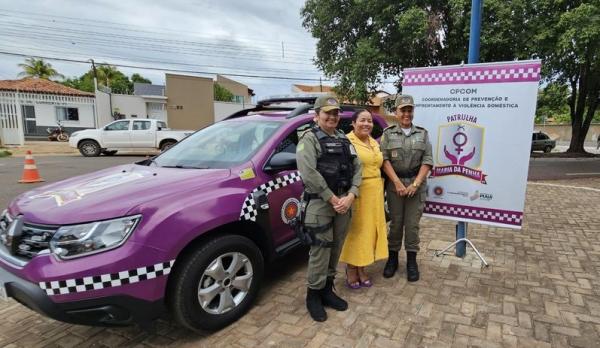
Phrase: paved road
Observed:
(542, 288)
(52, 168)
(563, 168)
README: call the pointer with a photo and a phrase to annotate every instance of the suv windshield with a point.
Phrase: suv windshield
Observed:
(222, 145)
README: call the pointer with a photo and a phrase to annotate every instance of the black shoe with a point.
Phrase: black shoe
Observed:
(391, 266)
(314, 305)
(330, 299)
(412, 269)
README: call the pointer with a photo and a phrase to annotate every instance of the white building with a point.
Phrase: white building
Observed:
(30, 105)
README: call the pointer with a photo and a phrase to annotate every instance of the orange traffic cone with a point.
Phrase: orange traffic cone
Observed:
(30, 172)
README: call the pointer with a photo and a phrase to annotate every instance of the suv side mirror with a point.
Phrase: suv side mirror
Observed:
(281, 161)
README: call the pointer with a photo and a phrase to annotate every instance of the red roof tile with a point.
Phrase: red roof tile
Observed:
(36, 85)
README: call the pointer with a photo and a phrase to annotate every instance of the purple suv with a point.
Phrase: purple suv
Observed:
(188, 231)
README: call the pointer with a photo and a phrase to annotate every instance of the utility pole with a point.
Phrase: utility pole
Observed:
(95, 93)
(474, 39)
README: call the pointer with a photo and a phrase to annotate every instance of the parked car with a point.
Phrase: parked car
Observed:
(127, 134)
(188, 231)
(542, 142)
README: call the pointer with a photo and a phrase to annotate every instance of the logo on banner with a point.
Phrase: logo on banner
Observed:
(460, 151)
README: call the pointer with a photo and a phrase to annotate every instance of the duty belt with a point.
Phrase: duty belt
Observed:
(407, 174)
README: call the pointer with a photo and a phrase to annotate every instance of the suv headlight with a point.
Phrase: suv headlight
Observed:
(81, 240)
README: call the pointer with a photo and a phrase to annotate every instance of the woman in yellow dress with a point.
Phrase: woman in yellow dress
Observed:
(366, 241)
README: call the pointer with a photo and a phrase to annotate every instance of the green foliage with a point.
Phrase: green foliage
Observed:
(139, 78)
(222, 94)
(34, 67)
(107, 75)
(552, 103)
(361, 42)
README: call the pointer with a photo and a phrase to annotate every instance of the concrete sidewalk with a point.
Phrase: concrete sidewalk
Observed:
(53, 148)
(542, 289)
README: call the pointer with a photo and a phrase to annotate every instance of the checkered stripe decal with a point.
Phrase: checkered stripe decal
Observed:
(493, 215)
(495, 74)
(111, 280)
(249, 211)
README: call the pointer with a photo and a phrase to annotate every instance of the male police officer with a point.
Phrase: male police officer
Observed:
(407, 160)
(331, 172)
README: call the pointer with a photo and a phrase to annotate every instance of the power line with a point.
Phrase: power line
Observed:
(112, 43)
(161, 69)
(162, 31)
(15, 44)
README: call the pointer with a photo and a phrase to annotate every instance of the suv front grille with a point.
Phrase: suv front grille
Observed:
(34, 239)
(27, 243)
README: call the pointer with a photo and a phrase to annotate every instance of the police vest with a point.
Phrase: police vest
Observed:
(335, 162)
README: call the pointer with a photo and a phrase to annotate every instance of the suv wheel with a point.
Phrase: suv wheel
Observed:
(547, 149)
(89, 148)
(166, 145)
(216, 284)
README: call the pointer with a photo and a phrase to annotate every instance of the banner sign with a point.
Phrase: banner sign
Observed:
(480, 123)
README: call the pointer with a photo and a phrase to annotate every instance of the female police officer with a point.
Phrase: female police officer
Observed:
(407, 160)
(331, 172)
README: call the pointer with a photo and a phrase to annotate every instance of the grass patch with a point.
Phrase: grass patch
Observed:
(5, 153)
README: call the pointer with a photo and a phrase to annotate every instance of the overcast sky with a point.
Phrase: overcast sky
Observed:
(263, 38)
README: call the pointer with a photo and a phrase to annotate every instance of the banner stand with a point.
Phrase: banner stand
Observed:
(463, 240)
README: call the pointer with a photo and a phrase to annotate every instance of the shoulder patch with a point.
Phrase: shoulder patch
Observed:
(389, 127)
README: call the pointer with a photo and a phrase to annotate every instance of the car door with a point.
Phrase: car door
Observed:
(534, 142)
(116, 134)
(142, 134)
(284, 201)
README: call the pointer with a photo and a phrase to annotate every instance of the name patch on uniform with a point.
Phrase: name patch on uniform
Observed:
(352, 150)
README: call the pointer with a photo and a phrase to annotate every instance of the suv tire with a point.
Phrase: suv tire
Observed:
(215, 284)
(547, 149)
(89, 148)
(165, 145)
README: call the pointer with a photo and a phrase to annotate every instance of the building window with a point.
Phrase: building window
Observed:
(238, 99)
(67, 114)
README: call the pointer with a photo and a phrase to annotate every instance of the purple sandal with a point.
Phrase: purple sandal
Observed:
(366, 284)
(354, 285)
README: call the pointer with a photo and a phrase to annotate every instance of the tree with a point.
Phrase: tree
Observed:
(362, 42)
(139, 78)
(222, 94)
(107, 76)
(552, 103)
(568, 41)
(38, 68)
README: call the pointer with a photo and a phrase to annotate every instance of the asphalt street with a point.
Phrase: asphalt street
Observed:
(55, 168)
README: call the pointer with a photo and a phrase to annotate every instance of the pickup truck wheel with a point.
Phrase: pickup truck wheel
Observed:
(547, 149)
(109, 152)
(166, 145)
(89, 148)
(216, 284)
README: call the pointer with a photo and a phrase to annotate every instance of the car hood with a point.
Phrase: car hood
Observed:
(109, 193)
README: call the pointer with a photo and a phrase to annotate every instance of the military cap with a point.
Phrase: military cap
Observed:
(327, 103)
(404, 100)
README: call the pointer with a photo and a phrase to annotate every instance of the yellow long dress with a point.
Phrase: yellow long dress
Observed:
(366, 241)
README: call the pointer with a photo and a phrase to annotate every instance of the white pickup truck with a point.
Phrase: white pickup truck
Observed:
(127, 134)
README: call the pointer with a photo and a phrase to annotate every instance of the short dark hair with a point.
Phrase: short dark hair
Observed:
(358, 112)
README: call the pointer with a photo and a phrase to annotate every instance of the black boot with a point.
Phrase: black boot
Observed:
(314, 305)
(412, 269)
(330, 299)
(391, 266)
